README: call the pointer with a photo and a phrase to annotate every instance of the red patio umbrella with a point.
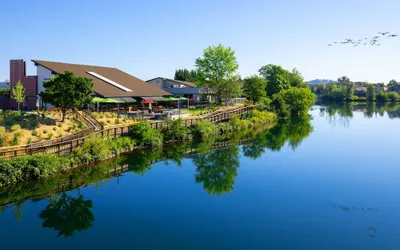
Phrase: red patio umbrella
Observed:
(147, 101)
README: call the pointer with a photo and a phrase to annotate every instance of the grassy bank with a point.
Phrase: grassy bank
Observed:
(141, 135)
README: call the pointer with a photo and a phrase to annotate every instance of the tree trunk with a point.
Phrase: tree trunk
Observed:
(63, 114)
(18, 105)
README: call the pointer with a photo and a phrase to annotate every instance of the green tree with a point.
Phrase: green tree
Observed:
(263, 104)
(347, 87)
(393, 96)
(280, 107)
(254, 88)
(392, 84)
(276, 78)
(66, 91)
(185, 75)
(229, 89)
(298, 100)
(343, 80)
(218, 70)
(4, 92)
(381, 97)
(296, 79)
(18, 93)
(67, 214)
(370, 92)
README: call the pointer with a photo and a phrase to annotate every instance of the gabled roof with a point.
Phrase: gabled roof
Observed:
(189, 84)
(102, 86)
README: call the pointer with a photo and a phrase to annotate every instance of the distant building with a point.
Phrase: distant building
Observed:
(18, 73)
(182, 88)
(5, 85)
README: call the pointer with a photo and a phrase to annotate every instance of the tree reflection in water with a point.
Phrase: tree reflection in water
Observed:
(217, 170)
(140, 162)
(67, 214)
(293, 132)
(341, 113)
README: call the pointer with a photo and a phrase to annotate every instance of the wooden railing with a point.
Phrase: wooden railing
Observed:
(69, 143)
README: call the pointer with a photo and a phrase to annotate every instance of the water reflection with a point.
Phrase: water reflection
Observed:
(216, 165)
(67, 214)
(341, 114)
(217, 170)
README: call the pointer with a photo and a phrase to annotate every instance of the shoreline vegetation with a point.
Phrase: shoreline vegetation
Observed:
(277, 94)
(141, 135)
(346, 91)
(215, 153)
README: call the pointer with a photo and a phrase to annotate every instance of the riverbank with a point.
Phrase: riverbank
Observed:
(141, 135)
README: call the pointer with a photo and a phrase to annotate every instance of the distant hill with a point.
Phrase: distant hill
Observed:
(318, 81)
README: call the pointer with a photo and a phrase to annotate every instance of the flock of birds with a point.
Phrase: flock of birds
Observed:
(374, 41)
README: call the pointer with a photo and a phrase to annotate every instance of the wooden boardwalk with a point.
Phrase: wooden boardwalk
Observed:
(69, 143)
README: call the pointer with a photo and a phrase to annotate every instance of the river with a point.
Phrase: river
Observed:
(331, 182)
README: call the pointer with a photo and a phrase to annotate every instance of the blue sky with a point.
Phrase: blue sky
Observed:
(153, 38)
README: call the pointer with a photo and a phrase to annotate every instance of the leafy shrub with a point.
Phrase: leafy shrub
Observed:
(29, 140)
(248, 103)
(225, 128)
(393, 96)
(54, 129)
(15, 127)
(237, 124)
(144, 135)
(381, 97)
(18, 118)
(263, 104)
(80, 125)
(204, 129)
(12, 113)
(32, 116)
(9, 122)
(59, 125)
(119, 144)
(174, 130)
(30, 168)
(93, 149)
(261, 117)
(15, 140)
(50, 136)
(3, 136)
(25, 124)
(35, 124)
(45, 131)
(49, 122)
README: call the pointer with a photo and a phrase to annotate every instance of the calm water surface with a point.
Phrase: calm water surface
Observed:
(329, 183)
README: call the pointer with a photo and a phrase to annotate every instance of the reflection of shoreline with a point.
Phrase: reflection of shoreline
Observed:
(342, 113)
(254, 143)
(110, 170)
